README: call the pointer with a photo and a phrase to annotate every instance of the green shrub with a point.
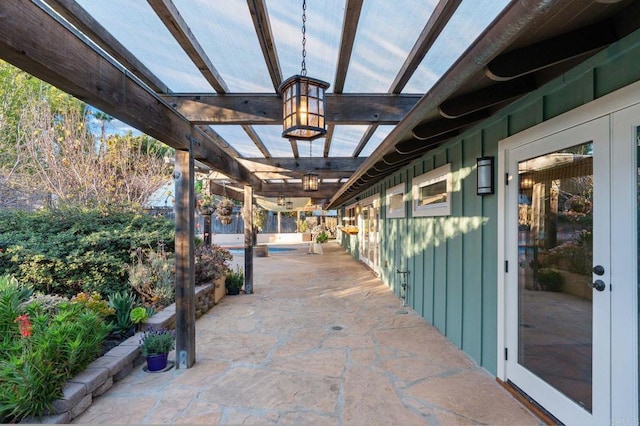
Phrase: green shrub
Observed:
(42, 351)
(550, 279)
(68, 251)
(322, 238)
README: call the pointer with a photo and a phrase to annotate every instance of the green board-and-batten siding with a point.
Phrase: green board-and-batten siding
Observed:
(453, 260)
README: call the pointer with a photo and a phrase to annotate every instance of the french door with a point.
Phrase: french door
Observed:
(558, 271)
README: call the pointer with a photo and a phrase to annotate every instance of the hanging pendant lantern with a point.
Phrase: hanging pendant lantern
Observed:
(303, 100)
(310, 182)
(289, 205)
(303, 107)
(310, 179)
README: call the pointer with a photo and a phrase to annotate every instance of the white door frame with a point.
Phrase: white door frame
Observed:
(624, 303)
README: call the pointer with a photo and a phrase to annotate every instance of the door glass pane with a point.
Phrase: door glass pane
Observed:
(555, 252)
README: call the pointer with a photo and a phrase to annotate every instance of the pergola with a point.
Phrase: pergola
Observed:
(202, 77)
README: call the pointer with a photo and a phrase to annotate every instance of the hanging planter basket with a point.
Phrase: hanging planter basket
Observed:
(224, 211)
(225, 220)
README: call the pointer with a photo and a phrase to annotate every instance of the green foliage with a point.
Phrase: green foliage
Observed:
(211, 263)
(139, 314)
(322, 237)
(550, 279)
(12, 296)
(43, 349)
(234, 281)
(93, 302)
(122, 302)
(68, 251)
(152, 277)
(156, 342)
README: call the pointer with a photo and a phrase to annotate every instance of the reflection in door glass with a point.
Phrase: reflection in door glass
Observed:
(555, 252)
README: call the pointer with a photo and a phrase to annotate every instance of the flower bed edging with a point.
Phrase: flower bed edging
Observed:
(101, 374)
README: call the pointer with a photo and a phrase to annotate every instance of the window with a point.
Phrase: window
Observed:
(432, 192)
(395, 201)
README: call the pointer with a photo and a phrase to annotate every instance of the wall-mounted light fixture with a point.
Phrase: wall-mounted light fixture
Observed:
(280, 201)
(485, 184)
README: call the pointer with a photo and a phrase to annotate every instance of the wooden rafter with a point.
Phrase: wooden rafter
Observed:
(79, 18)
(441, 15)
(325, 190)
(549, 52)
(349, 27)
(435, 128)
(344, 164)
(261, 23)
(365, 139)
(168, 13)
(260, 108)
(82, 20)
(487, 97)
(95, 78)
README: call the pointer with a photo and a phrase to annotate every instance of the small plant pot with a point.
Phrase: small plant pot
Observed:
(233, 291)
(157, 362)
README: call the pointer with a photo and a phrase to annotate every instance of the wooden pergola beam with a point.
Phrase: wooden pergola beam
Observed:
(292, 190)
(441, 15)
(226, 191)
(260, 108)
(83, 21)
(344, 164)
(173, 21)
(261, 22)
(169, 15)
(98, 80)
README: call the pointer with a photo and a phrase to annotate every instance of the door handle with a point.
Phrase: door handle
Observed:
(599, 285)
(598, 270)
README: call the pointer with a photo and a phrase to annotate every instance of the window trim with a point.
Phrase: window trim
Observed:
(442, 173)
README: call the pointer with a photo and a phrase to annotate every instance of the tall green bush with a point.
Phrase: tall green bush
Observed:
(71, 250)
(42, 348)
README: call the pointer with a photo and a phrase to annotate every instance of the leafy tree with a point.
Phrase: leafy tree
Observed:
(48, 154)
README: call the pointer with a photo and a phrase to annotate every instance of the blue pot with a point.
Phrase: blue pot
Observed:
(157, 362)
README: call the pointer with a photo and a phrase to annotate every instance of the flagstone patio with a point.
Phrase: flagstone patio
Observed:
(321, 341)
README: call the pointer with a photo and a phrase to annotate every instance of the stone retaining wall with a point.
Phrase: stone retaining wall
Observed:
(101, 374)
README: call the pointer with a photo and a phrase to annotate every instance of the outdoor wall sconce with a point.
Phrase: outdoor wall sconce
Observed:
(303, 100)
(485, 185)
(280, 201)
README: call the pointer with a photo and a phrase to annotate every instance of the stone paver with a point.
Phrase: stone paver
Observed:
(321, 341)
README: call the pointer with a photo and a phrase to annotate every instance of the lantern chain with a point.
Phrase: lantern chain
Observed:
(304, 38)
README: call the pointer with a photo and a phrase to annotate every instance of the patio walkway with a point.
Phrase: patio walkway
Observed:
(321, 341)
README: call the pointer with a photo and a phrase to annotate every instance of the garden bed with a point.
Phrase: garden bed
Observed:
(117, 363)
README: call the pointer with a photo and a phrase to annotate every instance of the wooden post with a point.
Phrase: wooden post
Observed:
(279, 222)
(206, 222)
(248, 239)
(185, 281)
